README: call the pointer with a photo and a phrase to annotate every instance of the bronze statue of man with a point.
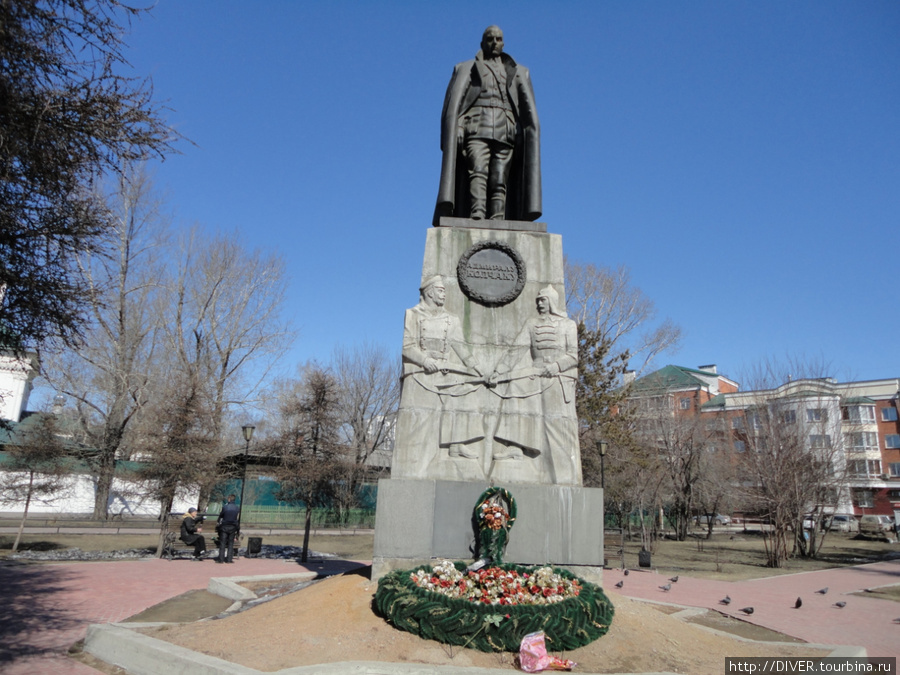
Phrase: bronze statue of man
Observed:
(490, 138)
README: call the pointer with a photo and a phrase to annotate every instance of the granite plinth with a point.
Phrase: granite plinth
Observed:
(418, 521)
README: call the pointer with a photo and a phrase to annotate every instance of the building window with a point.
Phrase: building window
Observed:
(655, 403)
(889, 414)
(861, 441)
(894, 469)
(864, 467)
(816, 415)
(858, 414)
(819, 441)
(737, 422)
(892, 441)
(685, 403)
(740, 446)
(863, 499)
(789, 416)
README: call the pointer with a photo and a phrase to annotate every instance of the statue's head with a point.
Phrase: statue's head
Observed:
(548, 301)
(433, 291)
(492, 41)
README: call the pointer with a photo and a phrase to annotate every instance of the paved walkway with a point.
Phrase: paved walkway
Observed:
(47, 607)
(864, 621)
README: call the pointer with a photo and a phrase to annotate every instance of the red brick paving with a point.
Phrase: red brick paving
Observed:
(48, 607)
(865, 621)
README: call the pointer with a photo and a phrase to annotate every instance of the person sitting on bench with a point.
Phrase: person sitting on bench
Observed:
(190, 527)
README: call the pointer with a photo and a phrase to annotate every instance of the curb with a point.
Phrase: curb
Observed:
(230, 588)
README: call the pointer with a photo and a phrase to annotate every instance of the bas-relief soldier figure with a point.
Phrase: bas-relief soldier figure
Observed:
(439, 399)
(536, 380)
(490, 138)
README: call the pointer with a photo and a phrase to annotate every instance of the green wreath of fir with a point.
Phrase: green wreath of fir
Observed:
(493, 535)
(569, 624)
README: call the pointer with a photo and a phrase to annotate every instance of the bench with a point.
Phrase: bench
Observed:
(173, 547)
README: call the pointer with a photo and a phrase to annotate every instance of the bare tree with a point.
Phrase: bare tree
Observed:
(616, 326)
(224, 325)
(69, 115)
(791, 454)
(307, 443)
(715, 491)
(38, 466)
(682, 443)
(606, 303)
(108, 377)
(368, 381)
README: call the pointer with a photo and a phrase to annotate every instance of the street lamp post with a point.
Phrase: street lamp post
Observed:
(247, 430)
(601, 447)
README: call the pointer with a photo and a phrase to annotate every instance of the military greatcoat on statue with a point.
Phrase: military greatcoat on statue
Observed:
(523, 201)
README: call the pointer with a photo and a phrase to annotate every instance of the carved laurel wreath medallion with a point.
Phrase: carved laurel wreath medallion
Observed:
(491, 273)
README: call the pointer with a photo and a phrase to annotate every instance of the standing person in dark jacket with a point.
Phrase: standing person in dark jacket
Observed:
(190, 529)
(227, 525)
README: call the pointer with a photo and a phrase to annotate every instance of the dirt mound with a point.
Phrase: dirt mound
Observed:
(333, 620)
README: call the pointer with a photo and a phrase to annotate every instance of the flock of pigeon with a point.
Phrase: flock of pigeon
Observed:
(749, 610)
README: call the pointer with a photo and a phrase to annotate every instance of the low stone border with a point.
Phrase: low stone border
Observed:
(230, 587)
(143, 655)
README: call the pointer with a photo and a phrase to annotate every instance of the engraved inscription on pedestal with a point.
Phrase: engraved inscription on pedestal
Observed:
(491, 273)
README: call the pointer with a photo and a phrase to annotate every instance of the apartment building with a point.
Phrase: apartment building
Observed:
(855, 425)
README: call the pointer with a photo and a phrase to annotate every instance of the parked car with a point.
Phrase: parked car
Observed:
(841, 522)
(718, 519)
(876, 525)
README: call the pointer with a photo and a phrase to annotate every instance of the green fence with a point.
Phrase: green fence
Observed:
(293, 517)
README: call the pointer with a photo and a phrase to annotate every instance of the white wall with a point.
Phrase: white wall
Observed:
(77, 497)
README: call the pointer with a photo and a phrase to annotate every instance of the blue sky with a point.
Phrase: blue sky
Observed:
(741, 158)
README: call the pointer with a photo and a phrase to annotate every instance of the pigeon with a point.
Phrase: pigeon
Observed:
(747, 610)
(726, 600)
(625, 573)
(897, 620)
(667, 587)
(798, 604)
(822, 591)
(840, 605)
(674, 579)
(620, 584)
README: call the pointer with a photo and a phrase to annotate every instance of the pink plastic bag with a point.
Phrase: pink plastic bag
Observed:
(533, 657)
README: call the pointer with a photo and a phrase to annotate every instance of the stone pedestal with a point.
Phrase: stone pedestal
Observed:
(419, 520)
(519, 433)
(490, 333)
